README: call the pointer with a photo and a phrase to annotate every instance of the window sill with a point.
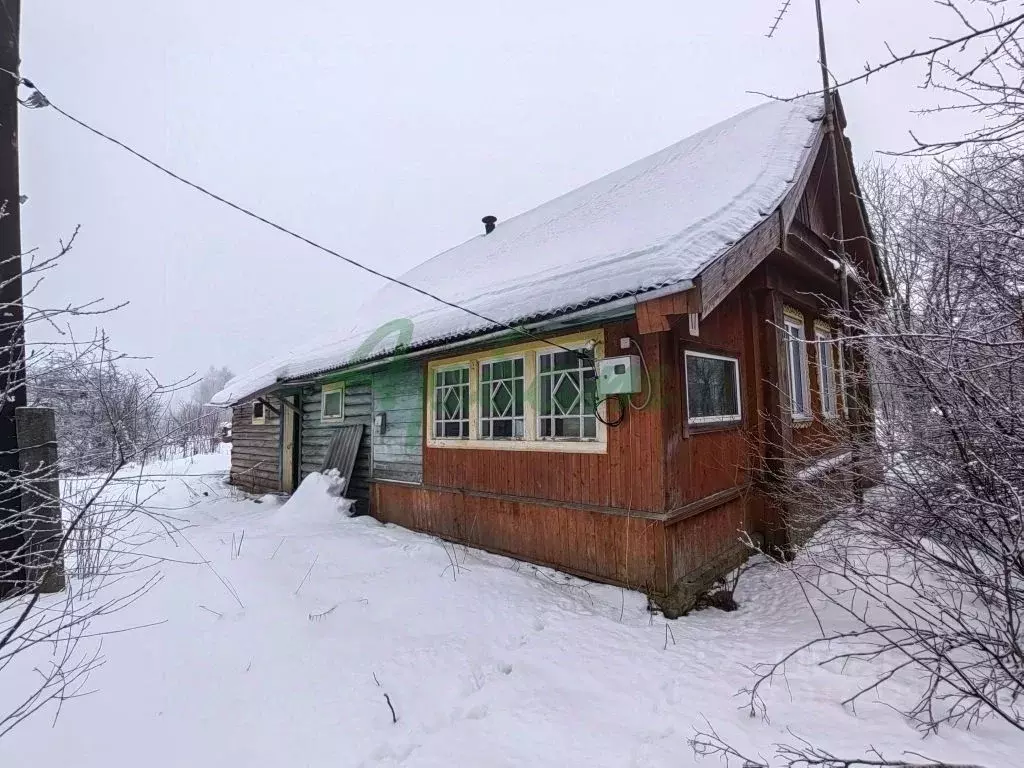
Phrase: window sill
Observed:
(540, 446)
(700, 428)
(802, 422)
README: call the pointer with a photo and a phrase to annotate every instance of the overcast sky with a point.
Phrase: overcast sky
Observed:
(384, 130)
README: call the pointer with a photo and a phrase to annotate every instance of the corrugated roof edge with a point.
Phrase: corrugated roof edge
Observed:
(438, 341)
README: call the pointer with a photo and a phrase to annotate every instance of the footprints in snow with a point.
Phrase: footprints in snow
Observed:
(397, 751)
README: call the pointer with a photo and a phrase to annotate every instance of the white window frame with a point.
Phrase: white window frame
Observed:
(262, 419)
(724, 419)
(328, 389)
(585, 341)
(480, 397)
(598, 436)
(825, 348)
(791, 322)
(842, 378)
(468, 403)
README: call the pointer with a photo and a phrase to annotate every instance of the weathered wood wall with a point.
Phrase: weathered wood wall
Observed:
(315, 436)
(706, 546)
(255, 452)
(398, 395)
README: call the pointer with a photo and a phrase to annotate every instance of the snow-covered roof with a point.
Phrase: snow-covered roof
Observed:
(653, 224)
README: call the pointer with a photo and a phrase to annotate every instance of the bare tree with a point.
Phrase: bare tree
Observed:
(87, 512)
(921, 578)
(924, 578)
(708, 743)
(196, 425)
(973, 67)
(100, 403)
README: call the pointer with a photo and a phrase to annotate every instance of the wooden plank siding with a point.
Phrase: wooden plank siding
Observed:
(628, 476)
(398, 393)
(701, 461)
(315, 436)
(611, 548)
(255, 452)
(706, 546)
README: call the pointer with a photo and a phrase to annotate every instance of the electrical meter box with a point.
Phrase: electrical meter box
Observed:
(619, 375)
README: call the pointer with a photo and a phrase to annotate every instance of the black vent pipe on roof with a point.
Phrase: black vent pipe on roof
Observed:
(489, 222)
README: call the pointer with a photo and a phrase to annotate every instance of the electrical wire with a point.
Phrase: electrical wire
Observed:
(38, 100)
(607, 422)
(647, 371)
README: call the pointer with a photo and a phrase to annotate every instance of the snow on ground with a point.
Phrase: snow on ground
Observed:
(492, 663)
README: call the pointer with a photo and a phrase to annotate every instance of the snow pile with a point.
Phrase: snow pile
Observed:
(486, 661)
(316, 502)
(655, 223)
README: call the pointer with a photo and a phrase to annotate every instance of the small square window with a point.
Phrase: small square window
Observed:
(332, 402)
(259, 412)
(712, 388)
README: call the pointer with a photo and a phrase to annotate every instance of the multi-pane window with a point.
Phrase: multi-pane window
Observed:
(712, 388)
(567, 396)
(451, 402)
(796, 357)
(826, 372)
(502, 400)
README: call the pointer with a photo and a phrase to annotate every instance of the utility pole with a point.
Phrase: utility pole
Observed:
(12, 330)
(833, 129)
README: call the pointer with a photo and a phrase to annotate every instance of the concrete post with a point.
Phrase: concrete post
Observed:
(40, 505)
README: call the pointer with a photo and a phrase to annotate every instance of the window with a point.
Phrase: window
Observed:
(712, 388)
(842, 382)
(451, 403)
(527, 396)
(332, 402)
(259, 412)
(567, 396)
(502, 400)
(826, 372)
(796, 357)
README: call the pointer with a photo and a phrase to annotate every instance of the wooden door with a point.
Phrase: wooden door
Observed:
(289, 446)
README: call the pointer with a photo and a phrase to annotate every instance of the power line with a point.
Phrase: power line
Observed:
(37, 100)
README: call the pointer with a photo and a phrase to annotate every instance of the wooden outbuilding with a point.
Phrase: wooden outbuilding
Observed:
(610, 376)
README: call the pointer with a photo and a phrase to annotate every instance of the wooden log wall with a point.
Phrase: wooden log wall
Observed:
(315, 436)
(398, 393)
(255, 452)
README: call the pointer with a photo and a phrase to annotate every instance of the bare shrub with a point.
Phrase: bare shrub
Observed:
(923, 577)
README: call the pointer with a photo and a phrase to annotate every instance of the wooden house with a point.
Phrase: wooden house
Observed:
(707, 269)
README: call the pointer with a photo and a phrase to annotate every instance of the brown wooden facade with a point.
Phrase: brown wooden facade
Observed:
(661, 505)
(666, 502)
